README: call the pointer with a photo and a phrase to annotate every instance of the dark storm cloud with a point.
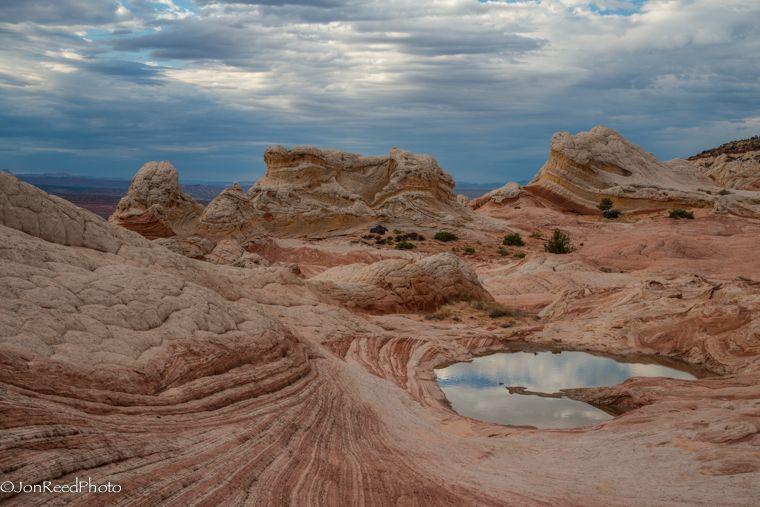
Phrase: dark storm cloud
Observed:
(58, 12)
(480, 85)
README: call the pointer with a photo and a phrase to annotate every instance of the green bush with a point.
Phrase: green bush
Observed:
(514, 239)
(605, 204)
(468, 250)
(611, 213)
(502, 251)
(445, 236)
(679, 213)
(559, 243)
(405, 245)
(520, 255)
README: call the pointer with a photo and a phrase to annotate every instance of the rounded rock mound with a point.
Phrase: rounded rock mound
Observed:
(403, 285)
(155, 205)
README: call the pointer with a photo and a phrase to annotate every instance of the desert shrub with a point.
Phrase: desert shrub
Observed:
(536, 235)
(378, 229)
(724, 192)
(502, 251)
(520, 255)
(495, 310)
(404, 245)
(445, 236)
(514, 239)
(559, 243)
(679, 213)
(496, 313)
(605, 204)
(468, 250)
(611, 213)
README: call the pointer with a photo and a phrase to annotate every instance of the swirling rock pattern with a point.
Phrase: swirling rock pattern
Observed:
(190, 382)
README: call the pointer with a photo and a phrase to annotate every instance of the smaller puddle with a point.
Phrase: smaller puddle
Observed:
(520, 388)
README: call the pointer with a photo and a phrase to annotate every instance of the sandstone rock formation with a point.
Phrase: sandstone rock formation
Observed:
(155, 206)
(732, 165)
(198, 382)
(308, 190)
(499, 196)
(402, 285)
(583, 169)
(230, 212)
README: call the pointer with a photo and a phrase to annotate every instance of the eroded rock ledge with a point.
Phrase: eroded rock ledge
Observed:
(583, 169)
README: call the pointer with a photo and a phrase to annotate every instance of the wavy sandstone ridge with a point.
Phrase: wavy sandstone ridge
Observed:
(583, 169)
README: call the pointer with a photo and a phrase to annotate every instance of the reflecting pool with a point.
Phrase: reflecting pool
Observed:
(479, 388)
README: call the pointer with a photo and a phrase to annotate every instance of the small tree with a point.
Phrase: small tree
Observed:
(605, 204)
(405, 245)
(514, 239)
(559, 243)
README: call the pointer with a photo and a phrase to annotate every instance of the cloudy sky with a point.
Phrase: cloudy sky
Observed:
(100, 86)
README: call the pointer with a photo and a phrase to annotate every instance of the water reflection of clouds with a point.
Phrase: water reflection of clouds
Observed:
(495, 404)
(474, 388)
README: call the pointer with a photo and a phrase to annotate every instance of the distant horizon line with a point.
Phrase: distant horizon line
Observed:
(20, 175)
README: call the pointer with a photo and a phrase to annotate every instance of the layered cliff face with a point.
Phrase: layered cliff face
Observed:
(733, 165)
(155, 205)
(307, 190)
(583, 169)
